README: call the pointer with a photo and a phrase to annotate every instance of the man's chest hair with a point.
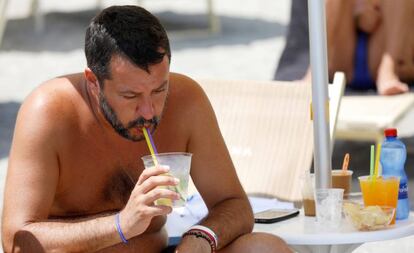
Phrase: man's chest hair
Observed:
(119, 184)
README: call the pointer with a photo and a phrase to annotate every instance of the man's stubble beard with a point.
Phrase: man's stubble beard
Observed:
(122, 130)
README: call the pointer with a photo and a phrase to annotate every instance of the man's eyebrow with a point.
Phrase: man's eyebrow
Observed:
(163, 84)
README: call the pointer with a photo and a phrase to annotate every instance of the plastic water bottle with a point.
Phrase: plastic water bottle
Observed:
(393, 155)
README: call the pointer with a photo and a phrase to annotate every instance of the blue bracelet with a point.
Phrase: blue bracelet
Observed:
(118, 228)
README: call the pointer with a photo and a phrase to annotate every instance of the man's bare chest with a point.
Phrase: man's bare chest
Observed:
(96, 176)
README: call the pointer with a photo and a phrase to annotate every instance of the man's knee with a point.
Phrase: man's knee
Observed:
(264, 242)
(258, 242)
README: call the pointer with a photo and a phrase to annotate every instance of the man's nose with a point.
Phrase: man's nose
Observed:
(146, 109)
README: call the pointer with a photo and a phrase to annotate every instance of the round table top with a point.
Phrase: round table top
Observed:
(302, 230)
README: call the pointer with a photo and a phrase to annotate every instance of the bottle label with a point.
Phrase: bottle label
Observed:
(403, 192)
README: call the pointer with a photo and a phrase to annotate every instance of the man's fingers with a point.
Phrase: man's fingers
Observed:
(157, 210)
(156, 181)
(160, 193)
(154, 171)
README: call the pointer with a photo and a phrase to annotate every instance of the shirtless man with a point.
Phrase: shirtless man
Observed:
(75, 159)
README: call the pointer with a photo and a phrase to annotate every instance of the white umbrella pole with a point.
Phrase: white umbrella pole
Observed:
(319, 67)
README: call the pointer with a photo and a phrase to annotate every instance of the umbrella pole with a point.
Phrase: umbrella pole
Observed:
(320, 102)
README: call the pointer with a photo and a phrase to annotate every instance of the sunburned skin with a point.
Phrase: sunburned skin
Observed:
(118, 176)
(75, 179)
(98, 168)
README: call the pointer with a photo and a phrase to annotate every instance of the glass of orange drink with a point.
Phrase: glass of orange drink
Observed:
(380, 191)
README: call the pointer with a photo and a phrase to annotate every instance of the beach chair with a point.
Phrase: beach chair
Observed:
(269, 133)
(267, 128)
(364, 118)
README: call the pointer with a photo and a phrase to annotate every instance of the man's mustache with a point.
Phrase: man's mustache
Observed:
(141, 122)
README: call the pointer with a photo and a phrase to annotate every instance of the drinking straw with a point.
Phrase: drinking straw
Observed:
(150, 144)
(377, 157)
(345, 162)
(371, 164)
(153, 151)
(152, 141)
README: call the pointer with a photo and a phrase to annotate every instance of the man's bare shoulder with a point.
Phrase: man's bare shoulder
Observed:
(50, 108)
(190, 101)
(54, 98)
(185, 89)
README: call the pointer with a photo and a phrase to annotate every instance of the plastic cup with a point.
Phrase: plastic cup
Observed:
(308, 195)
(329, 207)
(342, 179)
(179, 164)
(383, 191)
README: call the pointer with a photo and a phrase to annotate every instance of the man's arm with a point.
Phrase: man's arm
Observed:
(32, 183)
(84, 235)
(26, 241)
(214, 175)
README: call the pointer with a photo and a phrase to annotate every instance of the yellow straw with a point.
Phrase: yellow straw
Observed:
(154, 159)
(377, 157)
(162, 201)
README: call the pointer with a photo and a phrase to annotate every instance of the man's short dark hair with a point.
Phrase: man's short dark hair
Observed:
(128, 31)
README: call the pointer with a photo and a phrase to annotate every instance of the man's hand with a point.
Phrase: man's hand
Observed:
(140, 209)
(191, 243)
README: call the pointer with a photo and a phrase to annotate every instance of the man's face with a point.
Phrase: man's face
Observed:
(133, 98)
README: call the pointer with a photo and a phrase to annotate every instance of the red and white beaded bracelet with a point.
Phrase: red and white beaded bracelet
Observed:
(205, 233)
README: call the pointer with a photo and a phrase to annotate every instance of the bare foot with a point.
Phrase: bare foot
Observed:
(388, 83)
(391, 87)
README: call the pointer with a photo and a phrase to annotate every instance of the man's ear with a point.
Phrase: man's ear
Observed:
(92, 80)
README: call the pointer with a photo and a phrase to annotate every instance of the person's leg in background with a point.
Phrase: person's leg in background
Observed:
(391, 47)
(341, 37)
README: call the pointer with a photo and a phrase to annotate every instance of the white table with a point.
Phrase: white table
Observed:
(303, 234)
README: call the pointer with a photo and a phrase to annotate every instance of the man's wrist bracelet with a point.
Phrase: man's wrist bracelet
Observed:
(200, 234)
(208, 231)
(205, 233)
(118, 228)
